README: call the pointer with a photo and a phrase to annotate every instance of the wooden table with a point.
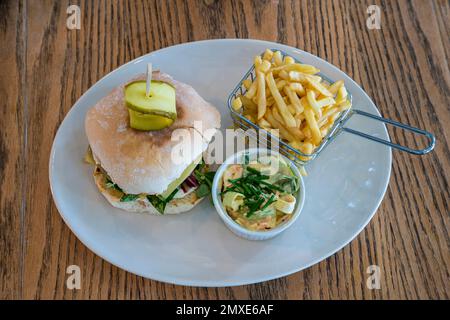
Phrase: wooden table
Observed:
(403, 67)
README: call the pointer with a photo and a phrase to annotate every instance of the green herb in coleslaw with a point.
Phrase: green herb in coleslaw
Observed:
(259, 195)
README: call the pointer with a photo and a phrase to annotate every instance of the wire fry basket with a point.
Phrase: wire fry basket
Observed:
(300, 158)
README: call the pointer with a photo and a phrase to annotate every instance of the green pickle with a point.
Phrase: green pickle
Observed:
(154, 112)
(148, 122)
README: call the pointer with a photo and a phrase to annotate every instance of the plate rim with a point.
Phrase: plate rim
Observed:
(214, 283)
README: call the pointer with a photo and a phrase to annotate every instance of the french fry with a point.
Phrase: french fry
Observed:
(281, 105)
(329, 111)
(298, 88)
(264, 66)
(314, 77)
(257, 61)
(248, 104)
(295, 101)
(325, 102)
(311, 98)
(297, 133)
(277, 116)
(275, 124)
(277, 58)
(262, 103)
(236, 103)
(332, 118)
(263, 123)
(341, 95)
(268, 54)
(324, 129)
(296, 76)
(292, 110)
(326, 114)
(281, 84)
(303, 68)
(304, 103)
(307, 148)
(307, 132)
(335, 87)
(250, 117)
(312, 123)
(344, 106)
(274, 132)
(247, 83)
(296, 144)
(288, 60)
(283, 75)
(319, 87)
(251, 92)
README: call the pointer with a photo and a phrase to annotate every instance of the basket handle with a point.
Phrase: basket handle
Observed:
(430, 136)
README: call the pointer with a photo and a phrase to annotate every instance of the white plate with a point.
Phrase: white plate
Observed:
(345, 186)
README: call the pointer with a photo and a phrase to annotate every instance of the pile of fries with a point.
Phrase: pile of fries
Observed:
(293, 99)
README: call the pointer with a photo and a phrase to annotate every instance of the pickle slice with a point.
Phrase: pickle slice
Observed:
(148, 122)
(161, 101)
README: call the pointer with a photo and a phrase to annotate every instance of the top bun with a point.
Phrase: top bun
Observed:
(142, 161)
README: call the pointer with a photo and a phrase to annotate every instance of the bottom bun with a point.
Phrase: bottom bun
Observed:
(142, 205)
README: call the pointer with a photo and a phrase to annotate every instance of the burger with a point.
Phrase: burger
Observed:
(135, 170)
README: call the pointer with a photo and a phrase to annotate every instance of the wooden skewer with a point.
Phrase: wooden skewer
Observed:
(149, 79)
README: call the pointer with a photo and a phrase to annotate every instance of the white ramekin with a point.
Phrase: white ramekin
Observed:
(234, 226)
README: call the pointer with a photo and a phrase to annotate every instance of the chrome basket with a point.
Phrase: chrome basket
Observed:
(300, 158)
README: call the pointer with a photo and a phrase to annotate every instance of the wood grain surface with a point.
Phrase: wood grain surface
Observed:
(403, 66)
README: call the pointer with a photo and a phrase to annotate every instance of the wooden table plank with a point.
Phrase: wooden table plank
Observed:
(11, 148)
(403, 67)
